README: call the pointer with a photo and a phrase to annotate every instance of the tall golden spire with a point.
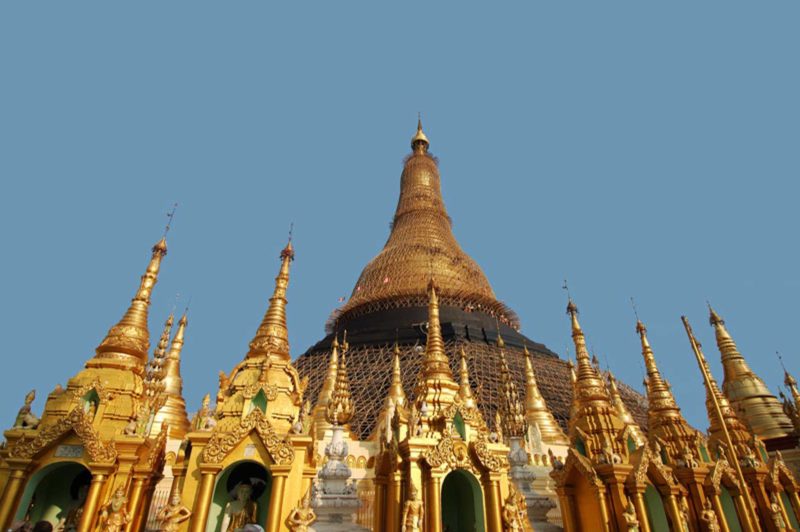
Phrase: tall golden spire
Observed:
(127, 342)
(536, 411)
(173, 413)
(436, 385)
(465, 390)
(791, 383)
(589, 385)
(340, 407)
(396, 393)
(511, 410)
(745, 390)
(622, 410)
(272, 337)
(422, 242)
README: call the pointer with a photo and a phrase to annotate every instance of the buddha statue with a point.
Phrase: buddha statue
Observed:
(242, 510)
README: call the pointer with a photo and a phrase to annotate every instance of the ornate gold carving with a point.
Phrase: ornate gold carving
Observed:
(490, 461)
(156, 452)
(76, 420)
(270, 390)
(449, 452)
(223, 442)
(78, 393)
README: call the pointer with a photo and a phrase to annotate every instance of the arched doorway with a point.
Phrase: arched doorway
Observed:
(462, 503)
(729, 509)
(228, 482)
(53, 492)
(656, 515)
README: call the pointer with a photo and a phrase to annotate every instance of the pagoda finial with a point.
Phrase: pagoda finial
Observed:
(396, 393)
(339, 410)
(173, 412)
(623, 412)
(419, 142)
(536, 411)
(511, 409)
(658, 391)
(329, 383)
(465, 390)
(129, 340)
(435, 364)
(745, 390)
(272, 337)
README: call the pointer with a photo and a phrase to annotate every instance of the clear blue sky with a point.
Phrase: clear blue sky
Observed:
(637, 150)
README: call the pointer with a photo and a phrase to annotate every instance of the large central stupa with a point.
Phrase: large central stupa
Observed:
(387, 310)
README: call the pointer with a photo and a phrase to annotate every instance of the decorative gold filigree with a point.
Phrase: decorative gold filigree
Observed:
(157, 450)
(223, 442)
(721, 470)
(77, 421)
(450, 452)
(270, 391)
(79, 392)
(489, 460)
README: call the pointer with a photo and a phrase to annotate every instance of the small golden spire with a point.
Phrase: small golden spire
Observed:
(153, 398)
(129, 340)
(396, 393)
(536, 411)
(329, 383)
(272, 337)
(745, 390)
(419, 142)
(465, 390)
(435, 365)
(661, 402)
(623, 412)
(340, 408)
(173, 413)
(589, 384)
(511, 410)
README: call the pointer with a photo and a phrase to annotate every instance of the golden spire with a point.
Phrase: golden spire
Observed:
(436, 385)
(272, 337)
(791, 383)
(536, 411)
(435, 365)
(623, 412)
(128, 341)
(511, 410)
(173, 413)
(419, 141)
(465, 390)
(422, 242)
(589, 385)
(396, 393)
(661, 402)
(745, 390)
(340, 408)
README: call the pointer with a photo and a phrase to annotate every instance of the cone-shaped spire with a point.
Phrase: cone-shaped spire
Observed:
(173, 413)
(272, 337)
(465, 390)
(536, 411)
(791, 383)
(745, 390)
(511, 410)
(623, 412)
(422, 243)
(435, 365)
(396, 393)
(589, 385)
(340, 408)
(128, 341)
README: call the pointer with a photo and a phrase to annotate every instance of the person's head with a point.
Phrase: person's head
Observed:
(43, 526)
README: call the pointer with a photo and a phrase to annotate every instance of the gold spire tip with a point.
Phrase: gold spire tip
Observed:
(419, 139)
(713, 318)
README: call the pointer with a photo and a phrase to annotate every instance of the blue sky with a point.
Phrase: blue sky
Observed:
(636, 149)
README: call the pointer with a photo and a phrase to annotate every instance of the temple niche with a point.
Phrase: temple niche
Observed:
(422, 408)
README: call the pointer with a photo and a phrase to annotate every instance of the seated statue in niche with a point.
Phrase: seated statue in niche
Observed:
(302, 516)
(25, 418)
(242, 510)
(114, 514)
(69, 523)
(173, 514)
(413, 512)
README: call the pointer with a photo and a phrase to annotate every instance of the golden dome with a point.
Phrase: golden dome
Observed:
(421, 246)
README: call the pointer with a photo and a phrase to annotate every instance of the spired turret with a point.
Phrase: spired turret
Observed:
(745, 390)
(173, 412)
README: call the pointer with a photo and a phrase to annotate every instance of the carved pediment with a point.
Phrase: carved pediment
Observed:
(223, 441)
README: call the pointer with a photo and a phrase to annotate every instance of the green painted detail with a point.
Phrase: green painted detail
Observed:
(259, 401)
(763, 452)
(656, 515)
(704, 454)
(664, 456)
(580, 446)
(729, 509)
(458, 423)
(46, 488)
(91, 399)
(631, 445)
(244, 470)
(794, 521)
(462, 503)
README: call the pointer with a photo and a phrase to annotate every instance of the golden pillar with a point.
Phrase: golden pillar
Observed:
(494, 504)
(135, 503)
(279, 475)
(675, 513)
(795, 500)
(378, 516)
(434, 506)
(11, 495)
(92, 504)
(202, 501)
(394, 502)
(641, 511)
(603, 503)
(567, 509)
(744, 515)
(723, 521)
